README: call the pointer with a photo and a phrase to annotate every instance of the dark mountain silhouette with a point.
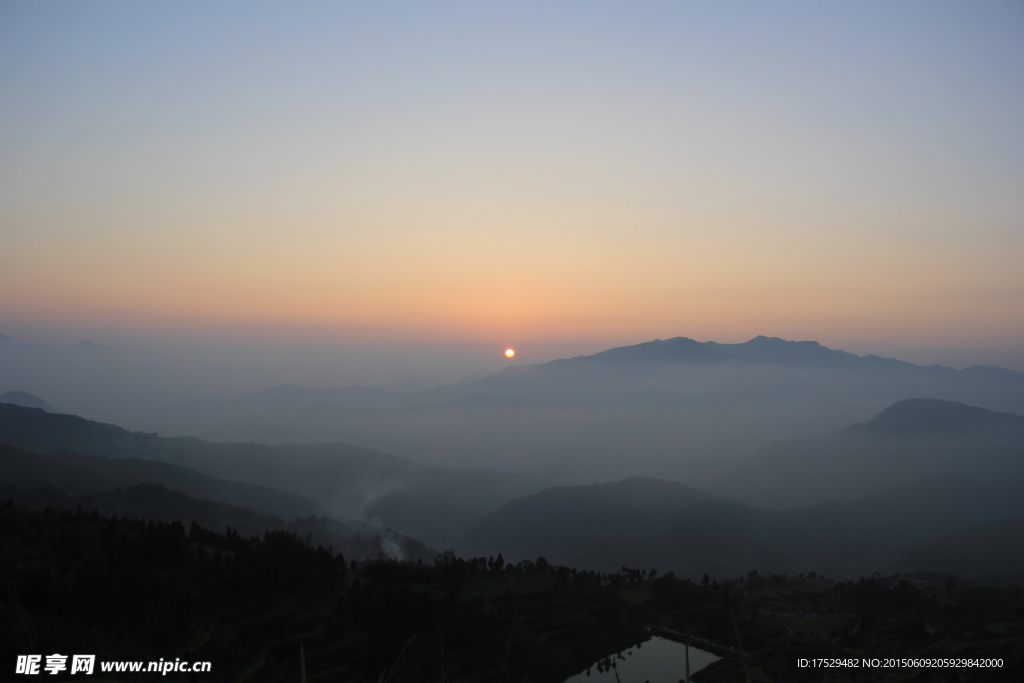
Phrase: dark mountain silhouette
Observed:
(26, 400)
(659, 524)
(675, 350)
(145, 501)
(763, 349)
(991, 551)
(434, 504)
(908, 440)
(80, 474)
(920, 469)
(568, 517)
(919, 417)
(760, 349)
(993, 371)
(40, 431)
(927, 507)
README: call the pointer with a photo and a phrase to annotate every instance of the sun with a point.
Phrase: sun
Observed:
(509, 353)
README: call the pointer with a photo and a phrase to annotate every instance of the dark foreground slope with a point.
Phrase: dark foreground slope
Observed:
(129, 590)
(908, 440)
(158, 491)
(153, 502)
(434, 504)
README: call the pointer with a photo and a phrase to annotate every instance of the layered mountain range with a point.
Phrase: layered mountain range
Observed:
(434, 504)
(675, 409)
(897, 489)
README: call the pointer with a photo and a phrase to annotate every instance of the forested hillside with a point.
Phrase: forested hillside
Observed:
(134, 590)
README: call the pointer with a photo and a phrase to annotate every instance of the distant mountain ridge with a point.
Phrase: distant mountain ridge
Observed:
(994, 371)
(691, 532)
(678, 409)
(759, 349)
(26, 400)
(907, 440)
(81, 474)
(677, 349)
(569, 516)
(928, 416)
(853, 502)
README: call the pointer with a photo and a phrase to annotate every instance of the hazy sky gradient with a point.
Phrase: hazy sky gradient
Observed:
(517, 173)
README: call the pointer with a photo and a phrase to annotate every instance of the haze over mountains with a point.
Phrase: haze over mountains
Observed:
(432, 503)
(906, 490)
(913, 525)
(606, 526)
(676, 409)
(871, 492)
(905, 441)
(26, 400)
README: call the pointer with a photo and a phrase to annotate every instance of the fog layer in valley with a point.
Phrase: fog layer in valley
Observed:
(769, 454)
(674, 409)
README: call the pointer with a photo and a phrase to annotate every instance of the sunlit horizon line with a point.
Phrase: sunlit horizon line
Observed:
(736, 320)
(274, 332)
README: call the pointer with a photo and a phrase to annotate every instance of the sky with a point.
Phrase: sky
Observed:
(557, 176)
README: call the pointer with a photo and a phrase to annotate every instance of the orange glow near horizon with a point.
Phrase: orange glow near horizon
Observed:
(611, 287)
(423, 194)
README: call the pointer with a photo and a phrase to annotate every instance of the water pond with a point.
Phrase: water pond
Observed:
(657, 660)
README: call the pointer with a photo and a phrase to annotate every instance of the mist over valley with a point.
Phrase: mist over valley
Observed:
(675, 409)
(717, 458)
